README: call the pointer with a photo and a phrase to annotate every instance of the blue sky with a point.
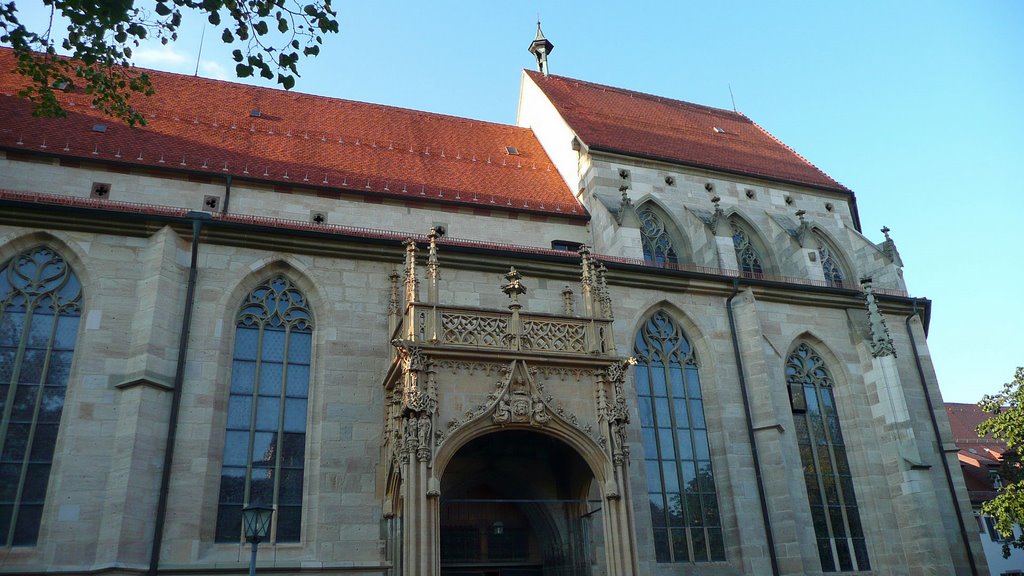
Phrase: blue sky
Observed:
(916, 106)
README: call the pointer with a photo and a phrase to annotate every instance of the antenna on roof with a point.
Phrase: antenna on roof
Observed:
(731, 97)
(201, 38)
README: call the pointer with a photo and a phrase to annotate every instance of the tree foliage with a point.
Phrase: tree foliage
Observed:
(271, 36)
(1007, 424)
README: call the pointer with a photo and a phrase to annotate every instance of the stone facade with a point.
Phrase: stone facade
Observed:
(393, 347)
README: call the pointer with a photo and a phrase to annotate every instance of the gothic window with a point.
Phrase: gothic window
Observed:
(834, 274)
(265, 441)
(827, 475)
(680, 479)
(40, 305)
(747, 256)
(657, 243)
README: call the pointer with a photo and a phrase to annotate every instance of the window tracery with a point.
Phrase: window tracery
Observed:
(834, 274)
(827, 476)
(40, 307)
(657, 243)
(747, 256)
(265, 439)
(680, 477)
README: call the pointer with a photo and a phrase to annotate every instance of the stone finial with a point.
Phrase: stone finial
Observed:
(881, 341)
(718, 219)
(625, 208)
(804, 235)
(514, 288)
(411, 282)
(603, 296)
(541, 47)
(393, 304)
(888, 248)
(568, 302)
(433, 268)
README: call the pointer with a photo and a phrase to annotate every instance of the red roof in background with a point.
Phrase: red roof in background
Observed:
(204, 125)
(638, 124)
(978, 455)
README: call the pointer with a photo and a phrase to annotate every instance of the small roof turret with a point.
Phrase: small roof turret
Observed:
(540, 48)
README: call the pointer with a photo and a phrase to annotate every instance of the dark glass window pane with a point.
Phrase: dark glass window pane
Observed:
(261, 486)
(236, 448)
(27, 529)
(289, 524)
(298, 381)
(9, 475)
(264, 448)
(657, 509)
(661, 415)
(653, 476)
(700, 553)
(16, 442)
(51, 405)
(650, 443)
(682, 418)
(299, 347)
(676, 380)
(828, 563)
(671, 476)
(67, 332)
(268, 413)
(291, 487)
(700, 444)
(717, 544)
(843, 552)
(232, 486)
(60, 368)
(294, 415)
(24, 403)
(243, 377)
(273, 346)
(646, 413)
(245, 343)
(705, 477)
(293, 450)
(697, 413)
(239, 412)
(229, 523)
(44, 442)
(711, 517)
(679, 545)
(685, 444)
(270, 379)
(661, 552)
(861, 553)
(676, 515)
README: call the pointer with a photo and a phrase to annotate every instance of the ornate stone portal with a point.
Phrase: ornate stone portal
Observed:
(459, 373)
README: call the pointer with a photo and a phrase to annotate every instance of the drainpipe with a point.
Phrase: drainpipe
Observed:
(179, 380)
(227, 193)
(938, 442)
(750, 429)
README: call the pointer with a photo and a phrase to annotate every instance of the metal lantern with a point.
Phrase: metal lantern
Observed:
(256, 521)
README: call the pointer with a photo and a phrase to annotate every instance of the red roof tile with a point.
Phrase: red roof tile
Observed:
(205, 125)
(636, 124)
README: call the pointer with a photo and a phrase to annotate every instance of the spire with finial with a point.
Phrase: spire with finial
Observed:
(540, 48)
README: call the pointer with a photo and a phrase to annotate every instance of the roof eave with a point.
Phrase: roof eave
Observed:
(607, 149)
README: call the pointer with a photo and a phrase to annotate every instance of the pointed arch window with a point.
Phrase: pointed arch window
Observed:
(40, 306)
(829, 483)
(659, 249)
(680, 477)
(747, 256)
(265, 440)
(834, 274)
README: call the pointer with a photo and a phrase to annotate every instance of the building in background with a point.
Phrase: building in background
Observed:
(980, 460)
(630, 335)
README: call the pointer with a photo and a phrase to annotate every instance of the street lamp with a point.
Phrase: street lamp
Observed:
(256, 521)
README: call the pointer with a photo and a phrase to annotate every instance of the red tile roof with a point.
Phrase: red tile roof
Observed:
(978, 455)
(636, 124)
(204, 125)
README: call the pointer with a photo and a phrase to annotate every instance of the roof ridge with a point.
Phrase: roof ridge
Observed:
(797, 154)
(276, 90)
(662, 99)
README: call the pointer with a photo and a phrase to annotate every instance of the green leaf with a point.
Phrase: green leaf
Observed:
(162, 9)
(243, 71)
(282, 25)
(228, 38)
(260, 28)
(287, 81)
(236, 55)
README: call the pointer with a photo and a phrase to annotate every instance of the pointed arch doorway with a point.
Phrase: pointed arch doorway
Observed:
(519, 503)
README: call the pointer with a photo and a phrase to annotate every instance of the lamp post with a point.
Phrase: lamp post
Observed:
(256, 521)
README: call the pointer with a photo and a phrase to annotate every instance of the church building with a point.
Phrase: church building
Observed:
(629, 335)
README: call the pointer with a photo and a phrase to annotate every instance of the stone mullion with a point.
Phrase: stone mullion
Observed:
(19, 357)
(252, 412)
(816, 459)
(32, 427)
(830, 447)
(280, 431)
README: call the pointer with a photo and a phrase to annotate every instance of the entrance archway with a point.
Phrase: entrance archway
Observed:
(518, 503)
